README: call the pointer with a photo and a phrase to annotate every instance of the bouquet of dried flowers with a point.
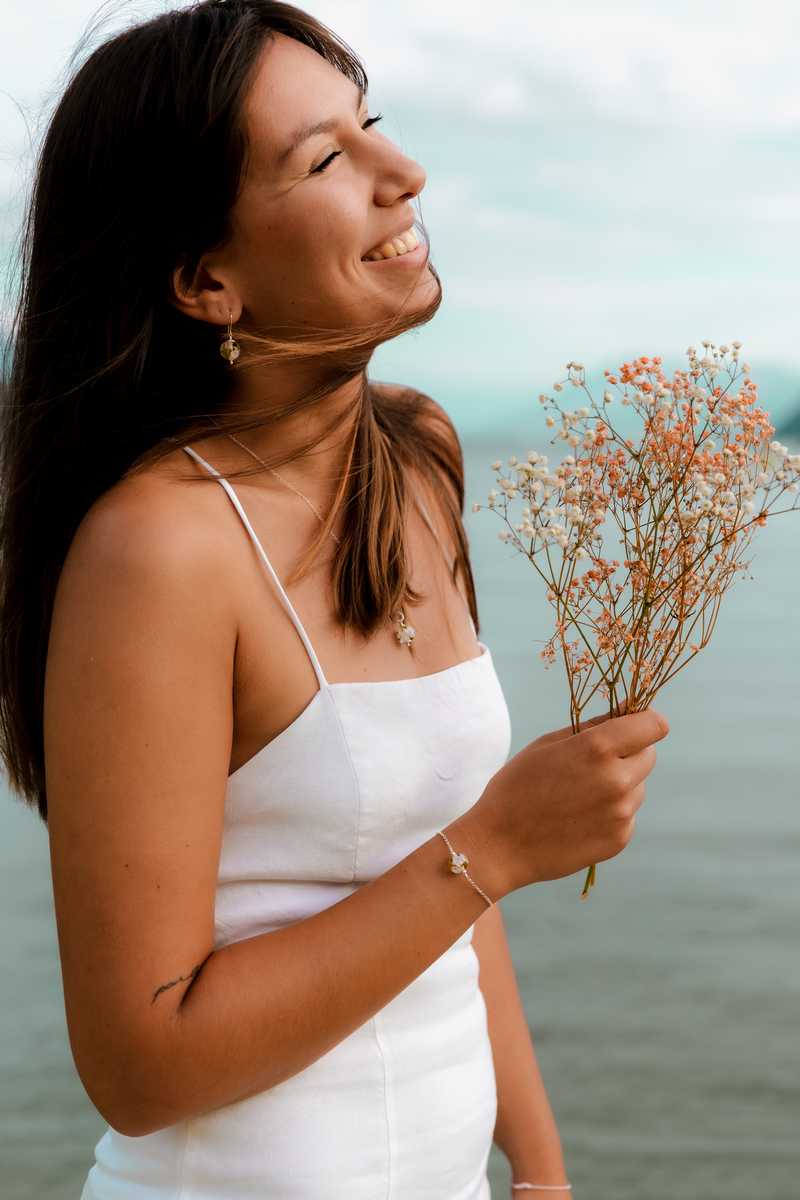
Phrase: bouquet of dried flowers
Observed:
(683, 502)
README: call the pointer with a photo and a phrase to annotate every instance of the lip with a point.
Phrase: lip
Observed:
(412, 258)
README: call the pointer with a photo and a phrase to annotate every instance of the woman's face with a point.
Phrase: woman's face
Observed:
(304, 220)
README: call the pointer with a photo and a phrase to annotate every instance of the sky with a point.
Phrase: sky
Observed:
(605, 178)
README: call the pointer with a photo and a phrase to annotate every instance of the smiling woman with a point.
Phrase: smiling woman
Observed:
(269, 980)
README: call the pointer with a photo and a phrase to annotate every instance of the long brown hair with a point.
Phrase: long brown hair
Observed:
(137, 174)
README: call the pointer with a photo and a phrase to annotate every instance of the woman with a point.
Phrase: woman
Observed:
(259, 805)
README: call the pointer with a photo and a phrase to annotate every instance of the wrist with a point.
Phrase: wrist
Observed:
(471, 834)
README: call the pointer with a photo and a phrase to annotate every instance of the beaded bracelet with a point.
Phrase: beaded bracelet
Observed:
(545, 1187)
(458, 865)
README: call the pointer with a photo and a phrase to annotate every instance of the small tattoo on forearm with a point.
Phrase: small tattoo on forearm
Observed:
(181, 978)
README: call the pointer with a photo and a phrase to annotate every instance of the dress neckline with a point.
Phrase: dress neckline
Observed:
(346, 683)
(327, 687)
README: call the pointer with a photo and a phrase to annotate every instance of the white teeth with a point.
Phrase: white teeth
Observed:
(393, 249)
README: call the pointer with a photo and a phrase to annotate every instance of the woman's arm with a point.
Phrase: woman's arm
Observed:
(526, 1129)
(138, 729)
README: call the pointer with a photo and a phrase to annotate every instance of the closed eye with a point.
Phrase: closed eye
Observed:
(323, 166)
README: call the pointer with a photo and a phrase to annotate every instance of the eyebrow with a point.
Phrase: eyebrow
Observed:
(307, 131)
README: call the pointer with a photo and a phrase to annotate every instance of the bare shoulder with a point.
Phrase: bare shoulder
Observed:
(437, 420)
(429, 410)
(151, 523)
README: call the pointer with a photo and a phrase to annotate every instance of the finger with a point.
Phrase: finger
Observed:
(640, 765)
(557, 734)
(633, 731)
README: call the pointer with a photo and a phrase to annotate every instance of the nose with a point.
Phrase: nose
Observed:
(399, 171)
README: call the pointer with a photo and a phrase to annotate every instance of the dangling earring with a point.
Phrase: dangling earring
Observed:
(230, 349)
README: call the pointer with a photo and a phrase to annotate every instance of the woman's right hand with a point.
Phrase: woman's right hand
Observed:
(566, 800)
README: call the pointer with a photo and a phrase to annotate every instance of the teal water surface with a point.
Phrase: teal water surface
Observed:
(664, 1009)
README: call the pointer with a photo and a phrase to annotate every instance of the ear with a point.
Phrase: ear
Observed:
(206, 296)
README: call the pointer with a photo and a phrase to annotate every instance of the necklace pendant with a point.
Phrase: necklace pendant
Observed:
(405, 633)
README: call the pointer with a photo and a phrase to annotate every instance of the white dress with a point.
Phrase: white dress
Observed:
(404, 1107)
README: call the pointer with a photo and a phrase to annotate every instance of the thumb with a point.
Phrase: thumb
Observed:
(558, 734)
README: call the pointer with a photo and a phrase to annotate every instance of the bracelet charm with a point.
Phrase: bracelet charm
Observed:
(458, 862)
(458, 865)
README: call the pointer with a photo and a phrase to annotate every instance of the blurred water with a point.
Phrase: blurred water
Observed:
(664, 1009)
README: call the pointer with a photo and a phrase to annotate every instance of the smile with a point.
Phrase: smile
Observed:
(410, 258)
(398, 247)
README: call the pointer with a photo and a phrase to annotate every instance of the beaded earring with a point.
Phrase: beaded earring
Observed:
(230, 349)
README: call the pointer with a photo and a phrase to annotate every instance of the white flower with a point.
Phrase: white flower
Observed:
(581, 553)
(607, 398)
(496, 465)
(584, 412)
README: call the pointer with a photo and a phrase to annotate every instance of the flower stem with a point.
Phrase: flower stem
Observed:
(589, 884)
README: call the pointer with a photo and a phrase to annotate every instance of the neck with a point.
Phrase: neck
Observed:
(318, 472)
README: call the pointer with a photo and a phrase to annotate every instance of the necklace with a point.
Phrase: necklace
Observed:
(404, 632)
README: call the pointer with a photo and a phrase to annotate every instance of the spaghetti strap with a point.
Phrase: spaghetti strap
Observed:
(322, 681)
(432, 528)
